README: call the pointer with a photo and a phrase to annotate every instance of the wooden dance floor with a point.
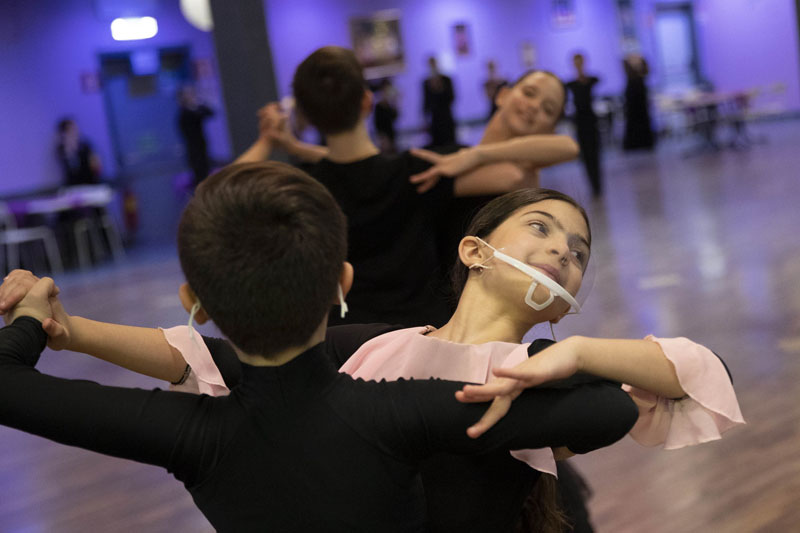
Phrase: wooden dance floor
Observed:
(706, 247)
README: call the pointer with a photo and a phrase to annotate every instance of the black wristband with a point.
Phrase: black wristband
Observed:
(184, 377)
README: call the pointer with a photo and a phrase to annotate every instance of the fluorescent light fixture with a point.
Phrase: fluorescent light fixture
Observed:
(198, 13)
(133, 29)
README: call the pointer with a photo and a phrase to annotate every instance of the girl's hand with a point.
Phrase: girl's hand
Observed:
(443, 165)
(496, 411)
(558, 361)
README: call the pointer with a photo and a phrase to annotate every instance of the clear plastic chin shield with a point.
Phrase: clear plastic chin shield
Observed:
(540, 278)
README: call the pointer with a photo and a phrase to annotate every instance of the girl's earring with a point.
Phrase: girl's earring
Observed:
(479, 267)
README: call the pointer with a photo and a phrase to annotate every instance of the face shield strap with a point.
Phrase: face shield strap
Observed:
(343, 305)
(538, 279)
(195, 309)
(480, 266)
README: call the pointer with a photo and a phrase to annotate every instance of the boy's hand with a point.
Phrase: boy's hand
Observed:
(36, 303)
(14, 289)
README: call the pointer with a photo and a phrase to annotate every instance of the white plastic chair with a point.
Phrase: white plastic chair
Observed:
(87, 229)
(11, 237)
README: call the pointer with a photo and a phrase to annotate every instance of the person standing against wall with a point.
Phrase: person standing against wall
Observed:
(586, 122)
(191, 119)
(385, 115)
(79, 162)
(438, 97)
(492, 84)
(638, 127)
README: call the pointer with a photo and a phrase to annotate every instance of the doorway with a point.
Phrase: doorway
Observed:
(139, 89)
(677, 47)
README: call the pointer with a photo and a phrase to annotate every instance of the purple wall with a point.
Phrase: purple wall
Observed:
(497, 30)
(749, 43)
(46, 45)
(742, 43)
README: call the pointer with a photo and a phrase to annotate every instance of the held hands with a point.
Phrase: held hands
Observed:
(443, 165)
(35, 303)
(21, 295)
(558, 361)
(274, 126)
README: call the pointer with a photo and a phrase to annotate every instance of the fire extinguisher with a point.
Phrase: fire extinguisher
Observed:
(130, 211)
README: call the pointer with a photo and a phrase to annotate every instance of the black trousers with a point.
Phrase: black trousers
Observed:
(589, 142)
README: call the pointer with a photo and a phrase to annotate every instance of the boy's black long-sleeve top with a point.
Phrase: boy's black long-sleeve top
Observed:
(297, 447)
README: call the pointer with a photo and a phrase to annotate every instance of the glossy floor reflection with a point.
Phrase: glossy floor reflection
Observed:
(704, 247)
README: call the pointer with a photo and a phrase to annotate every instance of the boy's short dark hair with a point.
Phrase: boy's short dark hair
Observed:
(328, 89)
(262, 246)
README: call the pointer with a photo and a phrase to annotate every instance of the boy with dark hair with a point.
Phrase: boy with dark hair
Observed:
(392, 241)
(296, 446)
(288, 222)
(329, 87)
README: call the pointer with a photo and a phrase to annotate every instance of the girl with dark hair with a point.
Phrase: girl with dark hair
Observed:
(521, 263)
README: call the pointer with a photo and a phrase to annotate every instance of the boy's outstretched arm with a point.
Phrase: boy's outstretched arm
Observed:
(143, 350)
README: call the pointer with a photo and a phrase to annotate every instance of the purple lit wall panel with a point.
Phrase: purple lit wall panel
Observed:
(749, 43)
(49, 45)
(497, 30)
(741, 43)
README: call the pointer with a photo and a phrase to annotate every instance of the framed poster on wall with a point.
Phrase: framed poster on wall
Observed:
(377, 43)
(461, 39)
(563, 14)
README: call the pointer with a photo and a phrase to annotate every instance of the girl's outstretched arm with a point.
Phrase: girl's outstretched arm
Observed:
(143, 350)
(640, 363)
(495, 168)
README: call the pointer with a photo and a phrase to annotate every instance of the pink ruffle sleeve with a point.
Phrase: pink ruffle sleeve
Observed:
(407, 353)
(709, 409)
(204, 377)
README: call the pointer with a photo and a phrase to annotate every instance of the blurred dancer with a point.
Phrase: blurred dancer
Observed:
(385, 115)
(438, 100)
(492, 85)
(638, 128)
(191, 119)
(586, 122)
